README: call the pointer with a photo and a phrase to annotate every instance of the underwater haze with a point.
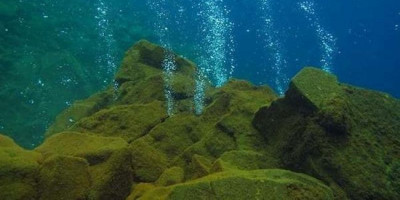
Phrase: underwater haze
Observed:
(54, 52)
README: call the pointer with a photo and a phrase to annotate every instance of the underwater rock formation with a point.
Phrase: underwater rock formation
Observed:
(346, 136)
(121, 144)
(18, 171)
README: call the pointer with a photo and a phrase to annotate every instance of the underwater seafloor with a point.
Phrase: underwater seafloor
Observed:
(199, 99)
(322, 140)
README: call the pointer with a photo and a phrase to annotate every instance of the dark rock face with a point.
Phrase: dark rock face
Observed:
(121, 144)
(345, 136)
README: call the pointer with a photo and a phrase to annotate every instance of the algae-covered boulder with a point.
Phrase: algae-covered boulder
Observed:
(171, 176)
(243, 160)
(121, 144)
(163, 150)
(129, 121)
(18, 171)
(79, 110)
(139, 83)
(258, 184)
(93, 148)
(64, 177)
(346, 136)
(108, 164)
(141, 78)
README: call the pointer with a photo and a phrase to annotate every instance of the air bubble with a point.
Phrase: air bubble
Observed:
(273, 45)
(168, 64)
(216, 61)
(326, 39)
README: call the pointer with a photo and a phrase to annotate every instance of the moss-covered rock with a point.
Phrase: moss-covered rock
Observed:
(93, 148)
(129, 122)
(242, 160)
(112, 179)
(141, 76)
(148, 163)
(64, 177)
(18, 171)
(109, 160)
(121, 143)
(79, 110)
(139, 90)
(171, 176)
(259, 184)
(160, 143)
(344, 135)
(199, 166)
(139, 189)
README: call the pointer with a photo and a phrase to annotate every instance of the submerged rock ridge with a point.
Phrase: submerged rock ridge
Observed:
(323, 140)
(347, 137)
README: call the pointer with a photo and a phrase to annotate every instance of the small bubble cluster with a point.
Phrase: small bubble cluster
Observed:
(107, 59)
(199, 94)
(168, 64)
(327, 40)
(218, 41)
(215, 61)
(169, 67)
(271, 41)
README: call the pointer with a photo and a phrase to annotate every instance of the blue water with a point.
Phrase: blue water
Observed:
(53, 52)
(367, 41)
(363, 49)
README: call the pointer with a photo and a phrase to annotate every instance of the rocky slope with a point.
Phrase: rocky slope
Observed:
(323, 140)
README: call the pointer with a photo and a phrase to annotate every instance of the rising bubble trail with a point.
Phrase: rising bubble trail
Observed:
(107, 59)
(168, 64)
(216, 61)
(326, 39)
(272, 44)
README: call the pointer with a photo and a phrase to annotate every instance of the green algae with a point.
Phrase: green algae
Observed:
(109, 160)
(338, 133)
(89, 145)
(120, 144)
(18, 171)
(64, 177)
(171, 176)
(129, 122)
(264, 184)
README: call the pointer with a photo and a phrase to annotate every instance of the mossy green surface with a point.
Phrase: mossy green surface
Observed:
(129, 122)
(109, 161)
(18, 171)
(113, 178)
(242, 160)
(345, 136)
(64, 177)
(259, 184)
(91, 147)
(148, 163)
(121, 144)
(171, 176)
(79, 110)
